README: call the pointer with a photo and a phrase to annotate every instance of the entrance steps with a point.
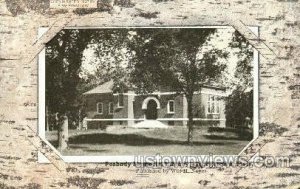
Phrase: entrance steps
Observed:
(149, 124)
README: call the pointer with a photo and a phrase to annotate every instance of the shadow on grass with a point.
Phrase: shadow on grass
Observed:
(134, 140)
(54, 143)
(95, 150)
(219, 137)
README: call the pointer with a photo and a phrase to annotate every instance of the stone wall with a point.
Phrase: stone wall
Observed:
(279, 96)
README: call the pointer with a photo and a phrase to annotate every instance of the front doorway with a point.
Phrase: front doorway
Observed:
(151, 111)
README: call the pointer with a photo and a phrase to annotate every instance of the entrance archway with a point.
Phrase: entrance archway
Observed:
(151, 111)
(145, 102)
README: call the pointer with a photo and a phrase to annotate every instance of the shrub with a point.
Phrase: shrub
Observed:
(239, 105)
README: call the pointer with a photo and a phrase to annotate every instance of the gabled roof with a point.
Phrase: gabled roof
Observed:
(104, 88)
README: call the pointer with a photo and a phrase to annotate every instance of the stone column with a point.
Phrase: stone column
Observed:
(130, 111)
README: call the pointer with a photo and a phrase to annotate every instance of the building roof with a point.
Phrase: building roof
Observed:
(104, 88)
(107, 87)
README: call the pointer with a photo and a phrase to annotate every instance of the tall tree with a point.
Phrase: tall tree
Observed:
(111, 57)
(156, 57)
(244, 68)
(239, 104)
(175, 58)
(63, 61)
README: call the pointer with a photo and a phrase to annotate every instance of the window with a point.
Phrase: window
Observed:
(213, 105)
(120, 100)
(218, 107)
(110, 108)
(100, 108)
(171, 108)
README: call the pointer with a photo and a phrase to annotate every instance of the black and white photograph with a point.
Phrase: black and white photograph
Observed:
(169, 94)
(149, 90)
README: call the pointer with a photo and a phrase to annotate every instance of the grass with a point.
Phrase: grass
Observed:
(171, 141)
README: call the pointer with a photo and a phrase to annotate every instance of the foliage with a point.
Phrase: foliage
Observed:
(175, 58)
(148, 59)
(111, 59)
(170, 57)
(244, 66)
(144, 60)
(239, 104)
(63, 59)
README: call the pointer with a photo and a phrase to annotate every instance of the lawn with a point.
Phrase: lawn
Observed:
(129, 141)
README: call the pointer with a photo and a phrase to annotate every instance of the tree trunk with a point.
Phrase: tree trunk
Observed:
(190, 123)
(47, 119)
(80, 120)
(63, 134)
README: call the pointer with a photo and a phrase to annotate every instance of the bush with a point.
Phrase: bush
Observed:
(239, 105)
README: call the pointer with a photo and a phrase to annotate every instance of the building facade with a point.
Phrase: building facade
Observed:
(103, 107)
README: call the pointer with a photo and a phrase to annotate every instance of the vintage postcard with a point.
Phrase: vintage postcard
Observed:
(149, 94)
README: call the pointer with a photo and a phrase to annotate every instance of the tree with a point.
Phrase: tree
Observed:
(244, 66)
(111, 58)
(63, 60)
(239, 105)
(175, 58)
(144, 58)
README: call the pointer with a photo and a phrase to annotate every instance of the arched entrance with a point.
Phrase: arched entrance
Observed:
(151, 111)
